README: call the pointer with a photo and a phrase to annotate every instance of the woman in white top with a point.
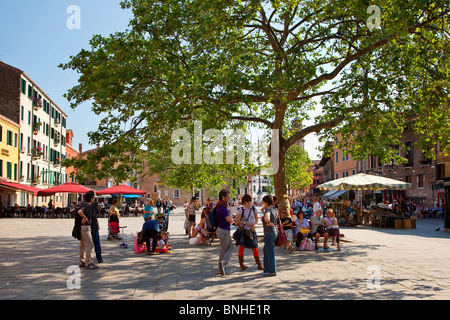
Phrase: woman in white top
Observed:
(247, 218)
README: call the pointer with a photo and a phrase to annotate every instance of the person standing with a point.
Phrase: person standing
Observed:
(148, 209)
(316, 205)
(86, 243)
(190, 215)
(270, 221)
(224, 222)
(158, 205)
(95, 211)
(247, 218)
(164, 204)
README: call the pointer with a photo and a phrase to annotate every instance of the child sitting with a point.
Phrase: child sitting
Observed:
(162, 245)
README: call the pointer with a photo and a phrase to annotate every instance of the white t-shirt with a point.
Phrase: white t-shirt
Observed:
(247, 216)
(316, 207)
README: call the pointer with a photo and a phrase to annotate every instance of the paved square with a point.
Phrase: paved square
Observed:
(37, 254)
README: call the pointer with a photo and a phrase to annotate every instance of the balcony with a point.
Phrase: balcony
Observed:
(37, 153)
(37, 104)
(36, 127)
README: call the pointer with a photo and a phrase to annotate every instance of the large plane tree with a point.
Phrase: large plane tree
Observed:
(375, 67)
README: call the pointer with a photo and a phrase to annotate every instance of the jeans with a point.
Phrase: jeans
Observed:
(97, 247)
(151, 234)
(226, 246)
(270, 236)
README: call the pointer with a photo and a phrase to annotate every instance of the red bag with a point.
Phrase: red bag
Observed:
(282, 238)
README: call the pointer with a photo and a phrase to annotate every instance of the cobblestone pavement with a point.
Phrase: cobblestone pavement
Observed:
(36, 256)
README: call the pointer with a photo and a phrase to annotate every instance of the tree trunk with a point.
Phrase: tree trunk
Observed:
(279, 181)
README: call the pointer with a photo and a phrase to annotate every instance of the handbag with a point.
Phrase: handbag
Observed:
(239, 233)
(249, 242)
(282, 238)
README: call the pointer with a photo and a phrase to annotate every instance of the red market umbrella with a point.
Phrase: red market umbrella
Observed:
(68, 187)
(122, 189)
(22, 187)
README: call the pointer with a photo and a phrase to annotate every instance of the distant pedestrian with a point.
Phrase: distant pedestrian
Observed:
(158, 205)
(224, 222)
(190, 215)
(270, 221)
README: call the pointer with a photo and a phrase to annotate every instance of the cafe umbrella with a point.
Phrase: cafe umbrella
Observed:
(362, 181)
(122, 189)
(68, 187)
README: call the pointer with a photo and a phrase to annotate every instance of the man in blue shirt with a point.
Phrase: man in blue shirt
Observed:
(150, 230)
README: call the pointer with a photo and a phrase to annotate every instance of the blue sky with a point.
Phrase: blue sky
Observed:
(34, 37)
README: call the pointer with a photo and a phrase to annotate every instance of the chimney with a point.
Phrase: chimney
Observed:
(81, 148)
(98, 146)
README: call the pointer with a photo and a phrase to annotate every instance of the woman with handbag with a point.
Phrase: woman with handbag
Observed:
(246, 220)
(270, 220)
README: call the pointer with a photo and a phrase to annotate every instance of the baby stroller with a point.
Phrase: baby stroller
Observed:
(113, 228)
(163, 221)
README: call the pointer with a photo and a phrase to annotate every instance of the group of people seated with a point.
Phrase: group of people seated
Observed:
(314, 228)
(409, 208)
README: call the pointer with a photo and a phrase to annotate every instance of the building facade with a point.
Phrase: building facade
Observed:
(42, 132)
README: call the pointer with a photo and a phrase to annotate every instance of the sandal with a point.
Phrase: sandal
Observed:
(91, 266)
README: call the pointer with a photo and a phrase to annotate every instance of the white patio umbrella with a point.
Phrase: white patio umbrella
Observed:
(362, 181)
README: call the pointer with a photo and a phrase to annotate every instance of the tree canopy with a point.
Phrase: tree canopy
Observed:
(376, 67)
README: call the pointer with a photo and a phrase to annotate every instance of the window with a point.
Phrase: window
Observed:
(23, 86)
(9, 138)
(337, 175)
(1, 133)
(409, 149)
(337, 157)
(420, 180)
(1, 168)
(176, 193)
(155, 189)
(9, 170)
(22, 111)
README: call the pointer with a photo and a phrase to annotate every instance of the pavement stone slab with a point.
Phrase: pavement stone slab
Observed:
(411, 264)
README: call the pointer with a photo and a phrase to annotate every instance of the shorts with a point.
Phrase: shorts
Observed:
(320, 231)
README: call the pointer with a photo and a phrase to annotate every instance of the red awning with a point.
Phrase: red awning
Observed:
(122, 189)
(22, 187)
(68, 187)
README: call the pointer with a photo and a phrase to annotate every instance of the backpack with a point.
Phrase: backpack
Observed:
(211, 221)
